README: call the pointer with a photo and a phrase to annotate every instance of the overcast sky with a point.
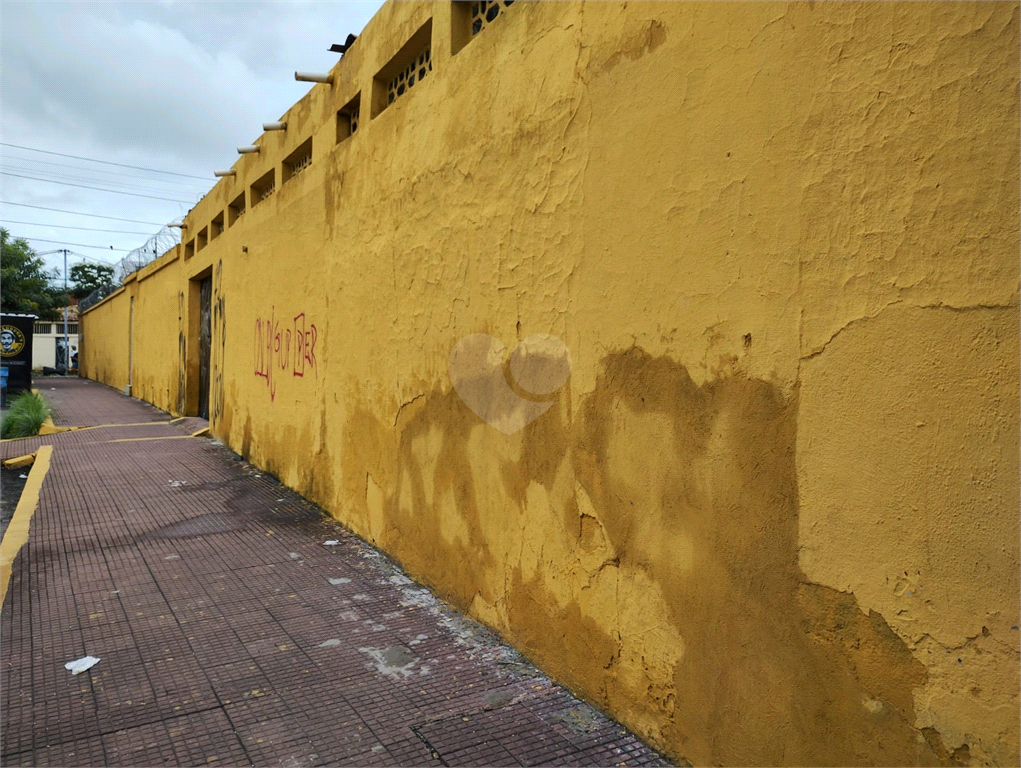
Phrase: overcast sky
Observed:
(173, 86)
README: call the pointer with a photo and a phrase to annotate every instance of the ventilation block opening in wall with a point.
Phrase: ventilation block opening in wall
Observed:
(189, 249)
(216, 226)
(236, 209)
(347, 118)
(468, 18)
(264, 187)
(201, 239)
(409, 67)
(298, 160)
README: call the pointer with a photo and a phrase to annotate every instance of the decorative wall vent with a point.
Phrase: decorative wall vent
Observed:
(216, 226)
(298, 160)
(412, 63)
(485, 12)
(347, 118)
(470, 17)
(264, 187)
(301, 163)
(236, 209)
(411, 74)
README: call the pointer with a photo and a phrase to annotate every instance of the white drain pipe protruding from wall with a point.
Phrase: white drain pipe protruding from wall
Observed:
(312, 77)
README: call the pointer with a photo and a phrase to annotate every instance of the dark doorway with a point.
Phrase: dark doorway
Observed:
(205, 343)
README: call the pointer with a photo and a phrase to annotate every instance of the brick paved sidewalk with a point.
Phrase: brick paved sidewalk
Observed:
(229, 634)
(79, 402)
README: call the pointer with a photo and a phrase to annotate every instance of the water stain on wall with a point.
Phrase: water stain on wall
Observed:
(663, 520)
(182, 352)
(645, 538)
(219, 320)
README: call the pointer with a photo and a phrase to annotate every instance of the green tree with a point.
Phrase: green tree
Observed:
(88, 277)
(24, 283)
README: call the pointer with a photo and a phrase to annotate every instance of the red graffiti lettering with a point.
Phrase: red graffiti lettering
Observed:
(273, 348)
(267, 344)
(304, 346)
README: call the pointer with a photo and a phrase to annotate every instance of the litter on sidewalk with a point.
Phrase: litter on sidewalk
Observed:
(83, 664)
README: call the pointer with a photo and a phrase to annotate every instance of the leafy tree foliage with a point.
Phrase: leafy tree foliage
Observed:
(88, 277)
(24, 283)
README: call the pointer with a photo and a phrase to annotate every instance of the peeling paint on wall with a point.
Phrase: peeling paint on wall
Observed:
(770, 517)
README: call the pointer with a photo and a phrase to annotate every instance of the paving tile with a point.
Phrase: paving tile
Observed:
(84, 752)
(147, 745)
(279, 741)
(21, 759)
(206, 738)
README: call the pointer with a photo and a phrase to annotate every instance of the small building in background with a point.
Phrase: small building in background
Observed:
(47, 349)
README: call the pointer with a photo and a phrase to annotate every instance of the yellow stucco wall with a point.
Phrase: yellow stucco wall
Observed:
(143, 333)
(772, 518)
(104, 355)
(158, 327)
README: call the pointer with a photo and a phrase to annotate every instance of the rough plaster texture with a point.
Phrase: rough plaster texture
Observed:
(772, 518)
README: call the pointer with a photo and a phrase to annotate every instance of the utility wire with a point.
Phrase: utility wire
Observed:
(104, 162)
(89, 176)
(48, 175)
(93, 259)
(98, 189)
(83, 169)
(83, 229)
(78, 213)
(78, 245)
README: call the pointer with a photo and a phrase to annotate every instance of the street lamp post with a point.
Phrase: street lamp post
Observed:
(67, 345)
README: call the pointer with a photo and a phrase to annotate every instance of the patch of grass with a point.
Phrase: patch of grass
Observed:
(27, 414)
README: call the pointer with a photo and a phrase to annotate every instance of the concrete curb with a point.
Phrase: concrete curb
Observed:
(17, 531)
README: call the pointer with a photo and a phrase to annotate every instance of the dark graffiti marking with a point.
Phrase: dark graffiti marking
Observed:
(219, 346)
(279, 348)
(182, 355)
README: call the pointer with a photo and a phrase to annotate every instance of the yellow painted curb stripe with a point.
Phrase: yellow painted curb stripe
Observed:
(49, 428)
(110, 426)
(18, 461)
(94, 426)
(201, 432)
(17, 530)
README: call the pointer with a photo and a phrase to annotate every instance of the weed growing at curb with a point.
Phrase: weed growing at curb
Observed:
(28, 412)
